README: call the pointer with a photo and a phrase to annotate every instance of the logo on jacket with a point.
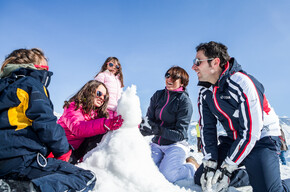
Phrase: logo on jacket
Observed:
(225, 97)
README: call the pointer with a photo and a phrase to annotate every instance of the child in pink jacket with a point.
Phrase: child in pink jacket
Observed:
(85, 118)
(111, 75)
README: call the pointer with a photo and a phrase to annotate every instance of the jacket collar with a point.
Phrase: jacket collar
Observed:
(183, 90)
(10, 67)
(112, 74)
(230, 68)
(40, 75)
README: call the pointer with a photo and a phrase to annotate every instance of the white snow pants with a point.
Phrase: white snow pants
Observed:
(170, 159)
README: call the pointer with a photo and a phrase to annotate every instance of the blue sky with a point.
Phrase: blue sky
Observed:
(148, 37)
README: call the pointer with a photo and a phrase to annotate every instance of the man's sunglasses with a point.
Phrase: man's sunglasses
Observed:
(173, 76)
(112, 65)
(197, 62)
(99, 94)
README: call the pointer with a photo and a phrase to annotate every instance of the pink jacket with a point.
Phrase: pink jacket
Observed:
(78, 126)
(113, 85)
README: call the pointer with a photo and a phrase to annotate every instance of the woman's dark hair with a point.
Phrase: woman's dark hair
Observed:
(119, 72)
(24, 56)
(215, 50)
(85, 97)
(177, 72)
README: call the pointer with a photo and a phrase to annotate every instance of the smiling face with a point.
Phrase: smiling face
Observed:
(112, 66)
(208, 70)
(100, 96)
(172, 82)
(203, 70)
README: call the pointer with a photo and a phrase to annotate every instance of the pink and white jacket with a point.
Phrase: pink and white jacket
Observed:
(78, 125)
(113, 85)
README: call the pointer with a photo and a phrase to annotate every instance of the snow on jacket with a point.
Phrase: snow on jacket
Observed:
(236, 101)
(27, 123)
(113, 85)
(78, 125)
(172, 111)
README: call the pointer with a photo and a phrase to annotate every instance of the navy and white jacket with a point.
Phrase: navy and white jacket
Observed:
(237, 102)
(171, 111)
(27, 123)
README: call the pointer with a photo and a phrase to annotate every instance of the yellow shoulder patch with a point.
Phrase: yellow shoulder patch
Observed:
(16, 115)
(45, 91)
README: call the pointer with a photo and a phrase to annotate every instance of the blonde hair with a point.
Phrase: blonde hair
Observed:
(24, 56)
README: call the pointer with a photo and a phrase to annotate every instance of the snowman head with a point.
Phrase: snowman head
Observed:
(129, 108)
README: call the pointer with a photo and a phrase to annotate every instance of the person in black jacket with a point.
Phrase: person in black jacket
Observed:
(168, 118)
(28, 128)
(237, 100)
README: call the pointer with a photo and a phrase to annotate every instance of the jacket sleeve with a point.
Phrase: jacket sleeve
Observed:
(100, 77)
(40, 111)
(207, 125)
(151, 109)
(179, 131)
(76, 123)
(250, 109)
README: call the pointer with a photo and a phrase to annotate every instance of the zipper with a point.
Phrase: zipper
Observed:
(223, 113)
(168, 96)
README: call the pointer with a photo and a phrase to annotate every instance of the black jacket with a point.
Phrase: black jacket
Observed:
(172, 111)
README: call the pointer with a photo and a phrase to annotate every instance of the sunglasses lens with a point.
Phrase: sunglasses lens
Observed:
(167, 75)
(99, 93)
(111, 64)
(196, 62)
(117, 66)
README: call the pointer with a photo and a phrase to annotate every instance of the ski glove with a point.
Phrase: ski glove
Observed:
(209, 168)
(148, 127)
(221, 179)
(114, 123)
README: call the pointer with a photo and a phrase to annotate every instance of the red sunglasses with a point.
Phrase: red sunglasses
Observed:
(42, 67)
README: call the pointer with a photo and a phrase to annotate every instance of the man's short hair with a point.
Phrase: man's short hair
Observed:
(213, 50)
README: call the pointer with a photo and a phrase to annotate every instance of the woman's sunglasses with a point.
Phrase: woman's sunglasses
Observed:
(173, 76)
(99, 94)
(112, 65)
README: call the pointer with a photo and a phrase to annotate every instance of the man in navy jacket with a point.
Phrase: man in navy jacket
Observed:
(235, 99)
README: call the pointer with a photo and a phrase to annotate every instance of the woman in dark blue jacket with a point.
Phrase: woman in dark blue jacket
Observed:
(28, 128)
(168, 118)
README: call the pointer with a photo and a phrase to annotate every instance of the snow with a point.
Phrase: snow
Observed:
(122, 160)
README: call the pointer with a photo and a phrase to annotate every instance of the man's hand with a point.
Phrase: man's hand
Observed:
(221, 179)
(208, 173)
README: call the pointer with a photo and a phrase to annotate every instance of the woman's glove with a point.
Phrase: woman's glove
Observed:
(209, 169)
(114, 123)
(221, 179)
(148, 127)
